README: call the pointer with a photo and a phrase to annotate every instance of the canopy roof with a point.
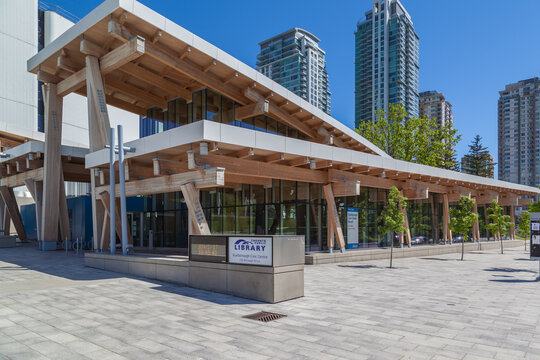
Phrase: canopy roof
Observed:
(147, 60)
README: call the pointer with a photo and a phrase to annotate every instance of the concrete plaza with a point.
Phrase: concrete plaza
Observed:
(486, 307)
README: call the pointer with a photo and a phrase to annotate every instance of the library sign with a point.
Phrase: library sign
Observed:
(250, 250)
(208, 248)
(245, 250)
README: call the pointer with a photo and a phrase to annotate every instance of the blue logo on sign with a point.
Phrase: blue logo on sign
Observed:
(250, 245)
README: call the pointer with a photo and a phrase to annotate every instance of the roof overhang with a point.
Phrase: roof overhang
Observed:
(147, 59)
(167, 152)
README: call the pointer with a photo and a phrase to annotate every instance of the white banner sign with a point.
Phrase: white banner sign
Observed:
(250, 250)
(352, 228)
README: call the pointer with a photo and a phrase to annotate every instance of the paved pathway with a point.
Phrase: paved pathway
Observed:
(487, 307)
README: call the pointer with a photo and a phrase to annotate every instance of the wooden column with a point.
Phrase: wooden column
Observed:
(36, 190)
(329, 233)
(406, 224)
(98, 132)
(476, 225)
(486, 220)
(435, 217)
(52, 168)
(65, 230)
(191, 196)
(512, 219)
(11, 206)
(332, 213)
(446, 217)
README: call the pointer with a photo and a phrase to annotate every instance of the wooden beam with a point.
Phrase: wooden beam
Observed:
(525, 201)
(11, 206)
(135, 92)
(299, 161)
(274, 158)
(244, 179)
(191, 196)
(332, 213)
(244, 153)
(89, 48)
(18, 179)
(155, 80)
(350, 188)
(323, 164)
(416, 194)
(65, 63)
(167, 57)
(201, 179)
(366, 180)
(256, 168)
(107, 63)
(168, 167)
(279, 114)
(251, 110)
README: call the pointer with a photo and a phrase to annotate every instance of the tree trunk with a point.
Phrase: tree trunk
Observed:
(502, 250)
(463, 247)
(391, 249)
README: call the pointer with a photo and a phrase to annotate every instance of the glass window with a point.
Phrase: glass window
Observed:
(227, 110)
(197, 105)
(212, 106)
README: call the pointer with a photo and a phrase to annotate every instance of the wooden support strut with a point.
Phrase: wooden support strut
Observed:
(11, 206)
(98, 131)
(332, 214)
(36, 190)
(445, 218)
(476, 224)
(198, 220)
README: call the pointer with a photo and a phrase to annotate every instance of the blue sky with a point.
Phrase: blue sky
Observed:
(469, 50)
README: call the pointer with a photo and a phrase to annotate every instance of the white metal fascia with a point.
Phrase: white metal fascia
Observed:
(38, 146)
(210, 131)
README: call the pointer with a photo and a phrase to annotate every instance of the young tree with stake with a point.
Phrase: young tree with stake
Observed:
(462, 219)
(500, 223)
(391, 219)
(524, 227)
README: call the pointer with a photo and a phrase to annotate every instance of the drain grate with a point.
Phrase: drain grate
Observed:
(264, 316)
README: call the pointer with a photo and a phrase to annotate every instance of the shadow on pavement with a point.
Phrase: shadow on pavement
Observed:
(438, 259)
(359, 266)
(514, 280)
(71, 267)
(506, 269)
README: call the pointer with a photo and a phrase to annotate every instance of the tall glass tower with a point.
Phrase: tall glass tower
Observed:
(295, 60)
(386, 61)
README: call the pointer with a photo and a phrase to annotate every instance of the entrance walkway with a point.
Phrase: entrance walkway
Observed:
(486, 307)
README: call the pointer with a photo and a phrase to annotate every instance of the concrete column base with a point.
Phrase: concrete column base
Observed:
(47, 245)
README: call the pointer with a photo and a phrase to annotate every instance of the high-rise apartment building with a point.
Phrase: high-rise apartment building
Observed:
(295, 60)
(519, 132)
(434, 105)
(386, 61)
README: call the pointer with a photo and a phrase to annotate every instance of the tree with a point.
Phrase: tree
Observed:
(524, 226)
(500, 223)
(478, 161)
(535, 207)
(420, 140)
(462, 218)
(391, 219)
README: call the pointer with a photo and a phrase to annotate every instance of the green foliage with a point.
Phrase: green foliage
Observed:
(419, 140)
(478, 161)
(418, 221)
(462, 216)
(391, 218)
(535, 207)
(500, 223)
(524, 226)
